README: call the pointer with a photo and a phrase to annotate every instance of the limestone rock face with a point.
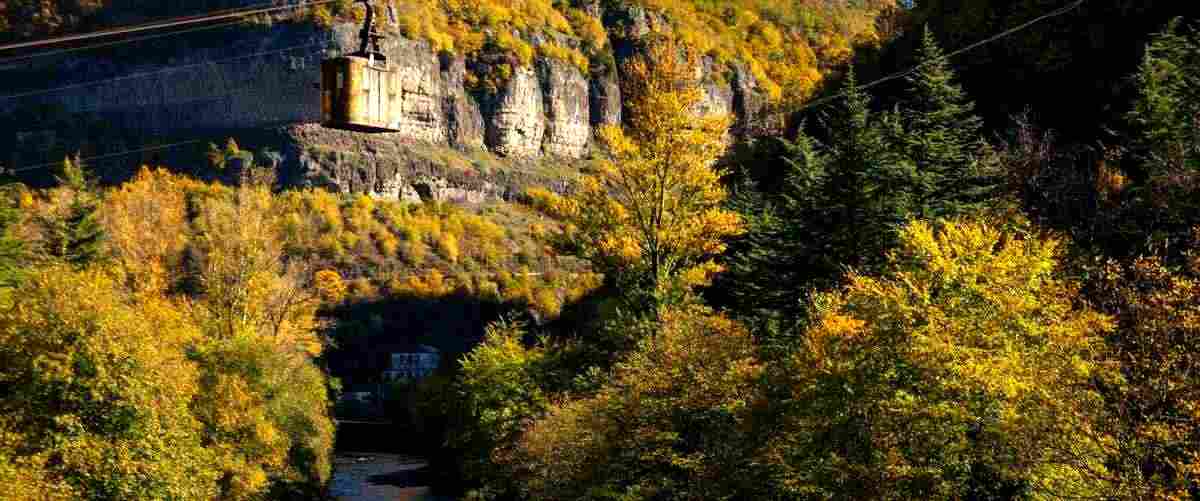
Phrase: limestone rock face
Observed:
(628, 21)
(751, 106)
(417, 82)
(464, 123)
(718, 95)
(516, 122)
(567, 106)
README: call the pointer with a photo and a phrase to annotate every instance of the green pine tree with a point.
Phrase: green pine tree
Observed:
(85, 240)
(865, 197)
(774, 251)
(841, 206)
(942, 137)
(76, 236)
(845, 201)
(1169, 101)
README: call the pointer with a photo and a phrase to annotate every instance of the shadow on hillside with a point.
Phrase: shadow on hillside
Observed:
(366, 334)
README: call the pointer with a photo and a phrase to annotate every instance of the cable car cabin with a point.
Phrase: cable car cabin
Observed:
(357, 95)
(356, 90)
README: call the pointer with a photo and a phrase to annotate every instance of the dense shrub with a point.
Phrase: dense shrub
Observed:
(1156, 343)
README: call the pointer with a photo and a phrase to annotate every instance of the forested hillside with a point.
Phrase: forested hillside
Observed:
(920, 305)
(952, 275)
(784, 44)
(1072, 71)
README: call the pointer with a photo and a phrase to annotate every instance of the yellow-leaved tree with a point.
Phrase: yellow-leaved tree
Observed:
(266, 408)
(147, 225)
(650, 216)
(965, 371)
(247, 285)
(96, 394)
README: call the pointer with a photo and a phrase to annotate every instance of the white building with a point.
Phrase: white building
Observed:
(413, 366)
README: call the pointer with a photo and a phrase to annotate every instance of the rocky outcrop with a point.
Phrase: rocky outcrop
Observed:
(751, 107)
(568, 116)
(718, 99)
(627, 21)
(516, 120)
(418, 82)
(464, 123)
(384, 167)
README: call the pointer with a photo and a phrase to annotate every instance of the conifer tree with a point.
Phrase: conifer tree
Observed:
(773, 249)
(80, 235)
(75, 236)
(845, 201)
(864, 197)
(941, 135)
(841, 206)
(1168, 103)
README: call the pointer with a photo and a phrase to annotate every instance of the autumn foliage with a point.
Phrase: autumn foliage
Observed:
(672, 421)
(946, 356)
(912, 333)
(914, 314)
(177, 364)
(651, 216)
(1154, 405)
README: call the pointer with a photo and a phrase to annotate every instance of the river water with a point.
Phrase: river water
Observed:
(378, 461)
(380, 477)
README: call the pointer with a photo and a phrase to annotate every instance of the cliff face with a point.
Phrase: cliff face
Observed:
(206, 86)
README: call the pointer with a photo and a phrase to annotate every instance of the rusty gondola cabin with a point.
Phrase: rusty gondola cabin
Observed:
(356, 90)
(356, 95)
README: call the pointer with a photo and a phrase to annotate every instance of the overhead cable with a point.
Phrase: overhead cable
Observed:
(16, 59)
(1055, 13)
(135, 76)
(172, 23)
